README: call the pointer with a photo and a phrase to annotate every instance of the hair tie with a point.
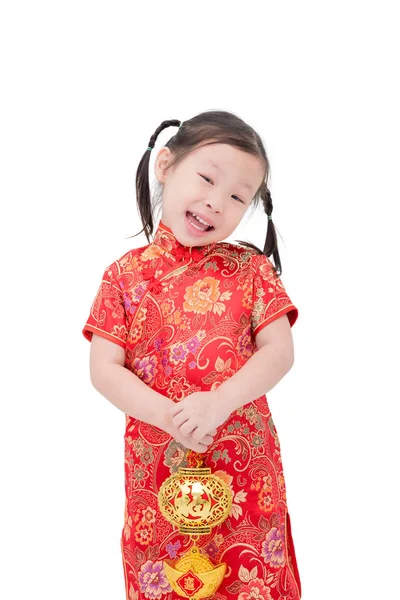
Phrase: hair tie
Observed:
(269, 217)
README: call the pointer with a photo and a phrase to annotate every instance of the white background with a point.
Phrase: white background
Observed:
(84, 86)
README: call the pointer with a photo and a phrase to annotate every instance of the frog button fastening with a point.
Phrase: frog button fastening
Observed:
(196, 255)
(148, 272)
(181, 254)
(155, 287)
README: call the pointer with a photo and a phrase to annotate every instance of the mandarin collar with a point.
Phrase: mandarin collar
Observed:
(165, 239)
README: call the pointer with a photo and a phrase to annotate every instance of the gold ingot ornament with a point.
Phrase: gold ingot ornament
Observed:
(194, 500)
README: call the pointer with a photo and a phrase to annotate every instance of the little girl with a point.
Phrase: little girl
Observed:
(188, 333)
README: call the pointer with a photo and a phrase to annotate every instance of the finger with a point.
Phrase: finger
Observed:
(187, 427)
(207, 440)
(198, 434)
(201, 448)
(174, 409)
(197, 447)
(179, 419)
(213, 432)
(191, 445)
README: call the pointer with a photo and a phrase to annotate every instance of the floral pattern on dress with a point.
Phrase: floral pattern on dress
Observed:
(187, 318)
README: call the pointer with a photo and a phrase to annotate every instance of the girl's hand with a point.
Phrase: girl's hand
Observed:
(189, 442)
(198, 414)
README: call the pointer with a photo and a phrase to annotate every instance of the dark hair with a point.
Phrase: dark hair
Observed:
(210, 127)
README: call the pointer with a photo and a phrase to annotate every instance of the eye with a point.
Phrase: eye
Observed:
(205, 177)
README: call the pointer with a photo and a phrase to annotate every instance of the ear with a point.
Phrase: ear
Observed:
(161, 163)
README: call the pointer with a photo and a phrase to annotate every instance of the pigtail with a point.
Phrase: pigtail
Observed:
(143, 197)
(271, 243)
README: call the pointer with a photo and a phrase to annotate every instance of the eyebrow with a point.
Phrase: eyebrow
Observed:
(213, 164)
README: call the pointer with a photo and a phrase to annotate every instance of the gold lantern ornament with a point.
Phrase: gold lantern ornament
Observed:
(194, 500)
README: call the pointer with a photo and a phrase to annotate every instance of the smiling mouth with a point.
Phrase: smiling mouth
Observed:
(196, 222)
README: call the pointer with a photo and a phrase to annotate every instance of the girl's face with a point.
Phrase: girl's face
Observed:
(215, 182)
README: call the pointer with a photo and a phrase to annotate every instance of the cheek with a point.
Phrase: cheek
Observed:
(239, 210)
(186, 193)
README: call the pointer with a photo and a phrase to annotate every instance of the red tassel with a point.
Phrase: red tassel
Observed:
(155, 287)
(148, 272)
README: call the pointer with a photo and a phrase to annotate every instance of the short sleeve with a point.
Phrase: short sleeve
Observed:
(270, 299)
(107, 316)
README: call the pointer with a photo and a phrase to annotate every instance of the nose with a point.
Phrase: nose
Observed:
(215, 203)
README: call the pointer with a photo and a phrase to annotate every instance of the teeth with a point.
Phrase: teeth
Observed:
(197, 227)
(201, 220)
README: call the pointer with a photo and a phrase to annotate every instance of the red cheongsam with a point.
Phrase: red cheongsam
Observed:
(187, 317)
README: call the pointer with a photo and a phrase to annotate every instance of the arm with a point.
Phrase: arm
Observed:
(123, 388)
(130, 394)
(201, 411)
(273, 359)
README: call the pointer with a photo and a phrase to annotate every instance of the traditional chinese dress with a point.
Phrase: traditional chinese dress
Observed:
(187, 317)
